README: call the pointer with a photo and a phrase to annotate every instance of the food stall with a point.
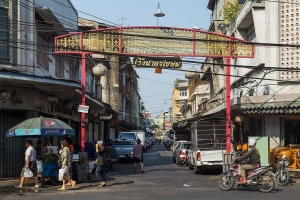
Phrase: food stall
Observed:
(42, 127)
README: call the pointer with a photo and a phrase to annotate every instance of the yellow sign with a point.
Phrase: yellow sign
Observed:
(155, 62)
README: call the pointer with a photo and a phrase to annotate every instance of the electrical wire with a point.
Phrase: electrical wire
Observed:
(239, 76)
(86, 13)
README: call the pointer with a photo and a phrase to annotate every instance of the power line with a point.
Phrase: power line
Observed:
(86, 13)
(253, 67)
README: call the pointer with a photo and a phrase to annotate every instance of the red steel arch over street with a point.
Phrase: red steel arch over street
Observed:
(154, 41)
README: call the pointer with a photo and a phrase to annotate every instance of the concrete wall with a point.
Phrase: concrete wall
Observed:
(26, 52)
(272, 129)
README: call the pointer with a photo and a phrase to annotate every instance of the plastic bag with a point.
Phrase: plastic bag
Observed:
(27, 173)
(39, 166)
(62, 173)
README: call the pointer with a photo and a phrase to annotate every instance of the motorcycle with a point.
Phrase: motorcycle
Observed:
(282, 175)
(184, 162)
(258, 178)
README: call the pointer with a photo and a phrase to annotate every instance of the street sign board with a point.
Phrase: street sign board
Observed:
(106, 117)
(83, 109)
(157, 62)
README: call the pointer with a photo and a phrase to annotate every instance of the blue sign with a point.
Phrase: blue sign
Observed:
(10, 134)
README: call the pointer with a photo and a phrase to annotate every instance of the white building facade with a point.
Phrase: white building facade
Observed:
(265, 89)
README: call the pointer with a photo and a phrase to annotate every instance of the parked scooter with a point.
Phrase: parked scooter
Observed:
(258, 178)
(184, 162)
(282, 175)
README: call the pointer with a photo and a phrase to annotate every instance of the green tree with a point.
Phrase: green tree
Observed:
(230, 11)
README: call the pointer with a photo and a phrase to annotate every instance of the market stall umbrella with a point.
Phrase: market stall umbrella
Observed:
(40, 126)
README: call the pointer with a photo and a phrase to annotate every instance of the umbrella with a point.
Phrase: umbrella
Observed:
(40, 126)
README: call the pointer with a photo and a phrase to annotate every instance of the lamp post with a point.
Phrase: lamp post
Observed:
(240, 119)
(158, 13)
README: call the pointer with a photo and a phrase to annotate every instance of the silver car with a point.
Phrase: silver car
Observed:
(180, 150)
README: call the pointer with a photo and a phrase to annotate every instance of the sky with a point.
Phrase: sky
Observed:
(155, 89)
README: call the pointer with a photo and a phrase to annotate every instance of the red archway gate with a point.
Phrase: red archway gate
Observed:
(154, 41)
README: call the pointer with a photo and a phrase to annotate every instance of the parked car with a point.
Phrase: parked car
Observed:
(140, 134)
(149, 140)
(123, 147)
(170, 143)
(145, 144)
(179, 151)
(129, 136)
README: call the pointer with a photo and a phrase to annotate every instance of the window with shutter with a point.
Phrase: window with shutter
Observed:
(4, 33)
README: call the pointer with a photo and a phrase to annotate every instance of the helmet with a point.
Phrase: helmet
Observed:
(251, 142)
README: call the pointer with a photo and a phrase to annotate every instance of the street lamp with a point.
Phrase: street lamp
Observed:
(240, 119)
(158, 13)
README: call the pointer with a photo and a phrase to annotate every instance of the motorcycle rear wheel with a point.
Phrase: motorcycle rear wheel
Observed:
(226, 182)
(284, 179)
(267, 183)
(182, 163)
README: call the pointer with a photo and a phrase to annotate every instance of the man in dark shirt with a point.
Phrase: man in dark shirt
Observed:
(253, 160)
(138, 155)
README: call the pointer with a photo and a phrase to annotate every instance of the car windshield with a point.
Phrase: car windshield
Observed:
(185, 146)
(123, 142)
(130, 136)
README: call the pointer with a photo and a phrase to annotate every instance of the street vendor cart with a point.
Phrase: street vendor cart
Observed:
(42, 127)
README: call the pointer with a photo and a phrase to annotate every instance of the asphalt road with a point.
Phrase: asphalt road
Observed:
(161, 180)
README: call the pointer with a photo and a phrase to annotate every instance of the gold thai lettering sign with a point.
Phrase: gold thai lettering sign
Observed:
(154, 41)
(157, 62)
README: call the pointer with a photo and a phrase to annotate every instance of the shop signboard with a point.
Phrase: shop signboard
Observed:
(83, 109)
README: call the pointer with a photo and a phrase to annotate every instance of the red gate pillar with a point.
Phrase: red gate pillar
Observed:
(228, 105)
(83, 85)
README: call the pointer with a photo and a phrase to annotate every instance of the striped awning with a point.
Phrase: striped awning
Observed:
(272, 110)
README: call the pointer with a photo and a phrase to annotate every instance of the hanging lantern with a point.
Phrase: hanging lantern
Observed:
(99, 70)
(191, 73)
(52, 99)
(239, 119)
(4, 95)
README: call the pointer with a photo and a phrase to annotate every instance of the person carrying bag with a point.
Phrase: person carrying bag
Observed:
(65, 163)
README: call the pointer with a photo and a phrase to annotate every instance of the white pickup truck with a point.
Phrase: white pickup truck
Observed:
(208, 144)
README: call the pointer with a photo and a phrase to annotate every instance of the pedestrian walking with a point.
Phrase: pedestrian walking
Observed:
(138, 151)
(71, 148)
(30, 163)
(65, 162)
(101, 162)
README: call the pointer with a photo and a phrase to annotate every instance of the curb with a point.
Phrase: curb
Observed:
(10, 184)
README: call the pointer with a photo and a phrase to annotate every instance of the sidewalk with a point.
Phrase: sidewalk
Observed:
(11, 182)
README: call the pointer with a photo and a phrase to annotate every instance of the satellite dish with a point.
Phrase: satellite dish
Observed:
(222, 26)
